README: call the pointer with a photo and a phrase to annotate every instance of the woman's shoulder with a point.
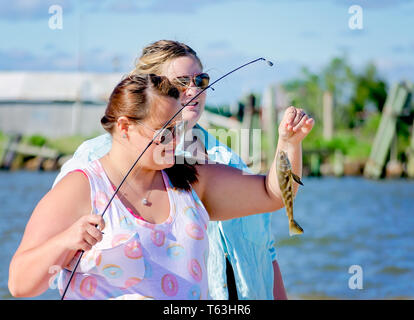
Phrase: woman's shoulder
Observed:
(69, 198)
(77, 178)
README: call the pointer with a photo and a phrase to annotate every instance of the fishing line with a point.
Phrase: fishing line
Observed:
(149, 144)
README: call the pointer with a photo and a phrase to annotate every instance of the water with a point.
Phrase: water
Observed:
(348, 221)
(19, 193)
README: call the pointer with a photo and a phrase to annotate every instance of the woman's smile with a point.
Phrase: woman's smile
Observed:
(193, 106)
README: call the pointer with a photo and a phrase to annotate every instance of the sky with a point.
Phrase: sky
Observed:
(108, 35)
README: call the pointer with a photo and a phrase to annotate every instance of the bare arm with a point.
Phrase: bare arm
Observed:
(53, 235)
(227, 193)
(279, 291)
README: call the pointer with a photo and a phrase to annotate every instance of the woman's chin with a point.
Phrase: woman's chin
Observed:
(191, 116)
(164, 165)
(167, 159)
(168, 165)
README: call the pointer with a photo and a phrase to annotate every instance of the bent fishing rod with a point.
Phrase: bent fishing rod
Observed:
(149, 144)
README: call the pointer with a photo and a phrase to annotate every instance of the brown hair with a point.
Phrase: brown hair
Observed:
(156, 54)
(132, 98)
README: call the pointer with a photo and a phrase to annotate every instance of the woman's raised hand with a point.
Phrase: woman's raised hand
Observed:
(295, 125)
(84, 233)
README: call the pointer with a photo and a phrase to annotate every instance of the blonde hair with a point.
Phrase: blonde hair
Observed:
(151, 61)
(155, 55)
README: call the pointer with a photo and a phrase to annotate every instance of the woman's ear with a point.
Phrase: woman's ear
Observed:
(123, 126)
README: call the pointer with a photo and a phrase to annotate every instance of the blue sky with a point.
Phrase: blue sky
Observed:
(224, 33)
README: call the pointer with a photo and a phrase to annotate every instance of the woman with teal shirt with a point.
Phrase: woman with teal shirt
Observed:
(242, 245)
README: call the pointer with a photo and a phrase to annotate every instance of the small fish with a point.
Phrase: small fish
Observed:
(285, 177)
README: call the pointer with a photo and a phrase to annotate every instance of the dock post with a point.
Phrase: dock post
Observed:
(327, 115)
(245, 124)
(396, 100)
(10, 153)
(410, 154)
(250, 144)
(4, 149)
(269, 120)
(338, 166)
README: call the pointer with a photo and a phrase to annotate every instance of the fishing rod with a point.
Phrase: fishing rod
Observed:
(149, 144)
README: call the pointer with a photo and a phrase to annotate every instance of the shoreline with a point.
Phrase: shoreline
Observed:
(350, 168)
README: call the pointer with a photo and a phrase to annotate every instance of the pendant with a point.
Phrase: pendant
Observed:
(145, 201)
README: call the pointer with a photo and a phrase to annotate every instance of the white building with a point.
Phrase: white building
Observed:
(54, 104)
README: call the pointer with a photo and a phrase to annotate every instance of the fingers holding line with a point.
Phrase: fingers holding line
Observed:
(94, 233)
(91, 234)
(97, 220)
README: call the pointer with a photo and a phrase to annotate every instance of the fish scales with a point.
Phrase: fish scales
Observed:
(285, 178)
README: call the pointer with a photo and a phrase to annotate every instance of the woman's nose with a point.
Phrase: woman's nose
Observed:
(191, 90)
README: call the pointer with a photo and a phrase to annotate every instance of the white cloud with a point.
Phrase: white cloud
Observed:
(374, 4)
(95, 60)
(31, 9)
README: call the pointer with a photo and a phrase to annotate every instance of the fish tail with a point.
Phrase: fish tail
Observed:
(294, 228)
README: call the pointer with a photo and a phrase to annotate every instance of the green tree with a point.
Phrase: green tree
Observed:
(306, 93)
(369, 91)
(352, 92)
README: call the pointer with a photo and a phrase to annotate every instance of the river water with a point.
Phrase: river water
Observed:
(358, 241)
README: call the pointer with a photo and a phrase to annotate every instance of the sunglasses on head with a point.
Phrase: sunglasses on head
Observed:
(200, 80)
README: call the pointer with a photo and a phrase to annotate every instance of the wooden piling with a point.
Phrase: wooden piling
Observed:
(269, 121)
(247, 122)
(254, 145)
(394, 168)
(327, 115)
(3, 150)
(15, 147)
(10, 152)
(338, 167)
(394, 104)
(410, 155)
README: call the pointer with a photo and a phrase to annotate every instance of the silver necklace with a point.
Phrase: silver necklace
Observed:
(144, 200)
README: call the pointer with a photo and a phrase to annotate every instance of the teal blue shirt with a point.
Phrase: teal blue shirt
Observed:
(247, 242)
